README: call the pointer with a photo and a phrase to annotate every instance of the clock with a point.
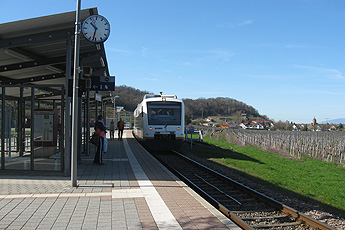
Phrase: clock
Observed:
(96, 28)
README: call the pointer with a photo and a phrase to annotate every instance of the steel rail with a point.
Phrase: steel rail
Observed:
(276, 204)
(213, 201)
(218, 189)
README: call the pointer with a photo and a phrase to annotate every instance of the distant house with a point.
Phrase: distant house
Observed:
(312, 127)
(209, 120)
(234, 126)
(264, 123)
(332, 128)
(244, 116)
(243, 126)
(224, 125)
(258, 126)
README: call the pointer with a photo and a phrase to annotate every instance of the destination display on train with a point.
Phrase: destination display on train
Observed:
(103, 83)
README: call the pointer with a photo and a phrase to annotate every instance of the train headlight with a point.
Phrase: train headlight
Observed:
(164, 99)
(178, 128)
(150, 128)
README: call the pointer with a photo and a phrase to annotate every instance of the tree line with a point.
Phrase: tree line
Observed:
(220, 106)
(194, 108)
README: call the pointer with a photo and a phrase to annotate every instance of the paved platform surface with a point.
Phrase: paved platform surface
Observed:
(131, 191)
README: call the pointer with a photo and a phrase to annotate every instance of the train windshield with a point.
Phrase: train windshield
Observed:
(164, 113)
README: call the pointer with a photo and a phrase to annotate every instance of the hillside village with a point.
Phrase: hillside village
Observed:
(259, 124)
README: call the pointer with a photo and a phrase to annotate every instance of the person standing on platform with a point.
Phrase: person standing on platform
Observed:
(112, 129)
(120, 126)
(101, 129)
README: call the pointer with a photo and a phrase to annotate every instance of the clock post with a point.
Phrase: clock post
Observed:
(96, 29)
(74, 146)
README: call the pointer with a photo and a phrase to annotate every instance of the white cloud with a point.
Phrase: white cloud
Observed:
(126, 52)
(296, 46)
(330, 72)
(263, 77)
(186, 63)
(148, 79)
(244, 23)
(144, 51)
(237, 24)
(224, 55)
(299, 90)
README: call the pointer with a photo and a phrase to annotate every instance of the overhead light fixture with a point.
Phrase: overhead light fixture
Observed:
(54, 69)
(17, 55)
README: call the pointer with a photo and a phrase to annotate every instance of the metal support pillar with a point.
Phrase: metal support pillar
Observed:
(62, 134)
(3, 108)
(80, 129)
(87, 116)
(84, 126)
(96, 115)
(32, 138)
(75, 98)
(67, 154)
(21, 122)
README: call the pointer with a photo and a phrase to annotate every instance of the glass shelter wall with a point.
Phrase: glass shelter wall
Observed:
(31, 125)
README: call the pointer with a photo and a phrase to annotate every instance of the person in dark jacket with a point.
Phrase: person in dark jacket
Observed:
(121, 127)
(112, 129)
(101, 129)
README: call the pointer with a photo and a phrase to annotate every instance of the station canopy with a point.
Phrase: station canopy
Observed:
(34, 52)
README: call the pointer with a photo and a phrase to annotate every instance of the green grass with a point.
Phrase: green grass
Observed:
(15, 132)
(195, 136)
(311, 178)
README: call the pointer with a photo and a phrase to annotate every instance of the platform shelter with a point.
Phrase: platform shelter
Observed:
(36, 68)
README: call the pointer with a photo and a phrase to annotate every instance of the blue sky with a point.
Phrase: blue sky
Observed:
(283, 57)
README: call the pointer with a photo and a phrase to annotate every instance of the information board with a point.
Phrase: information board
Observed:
(103, 83)
(45, 122)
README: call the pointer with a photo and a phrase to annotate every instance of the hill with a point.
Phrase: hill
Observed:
(220, 106)
(129, 97)
(197, 108)
(334, 121)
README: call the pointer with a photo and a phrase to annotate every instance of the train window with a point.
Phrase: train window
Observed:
(164, 113)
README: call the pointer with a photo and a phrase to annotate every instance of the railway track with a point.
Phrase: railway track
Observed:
(247, 208)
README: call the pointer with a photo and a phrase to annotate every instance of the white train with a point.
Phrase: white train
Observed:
(159, 122)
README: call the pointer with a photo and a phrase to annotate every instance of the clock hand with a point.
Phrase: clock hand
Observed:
(93, 26)
(94, 34)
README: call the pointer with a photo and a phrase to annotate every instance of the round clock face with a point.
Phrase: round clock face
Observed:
(96, 28)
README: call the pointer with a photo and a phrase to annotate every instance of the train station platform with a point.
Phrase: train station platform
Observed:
(132, 190)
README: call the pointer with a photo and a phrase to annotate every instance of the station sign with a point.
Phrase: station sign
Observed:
(103, 83)
(98, 97)
(191, 129)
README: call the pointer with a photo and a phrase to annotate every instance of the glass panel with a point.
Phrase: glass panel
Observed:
(164, 113)
(15, 157)
(0, 127)
(47, 123)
